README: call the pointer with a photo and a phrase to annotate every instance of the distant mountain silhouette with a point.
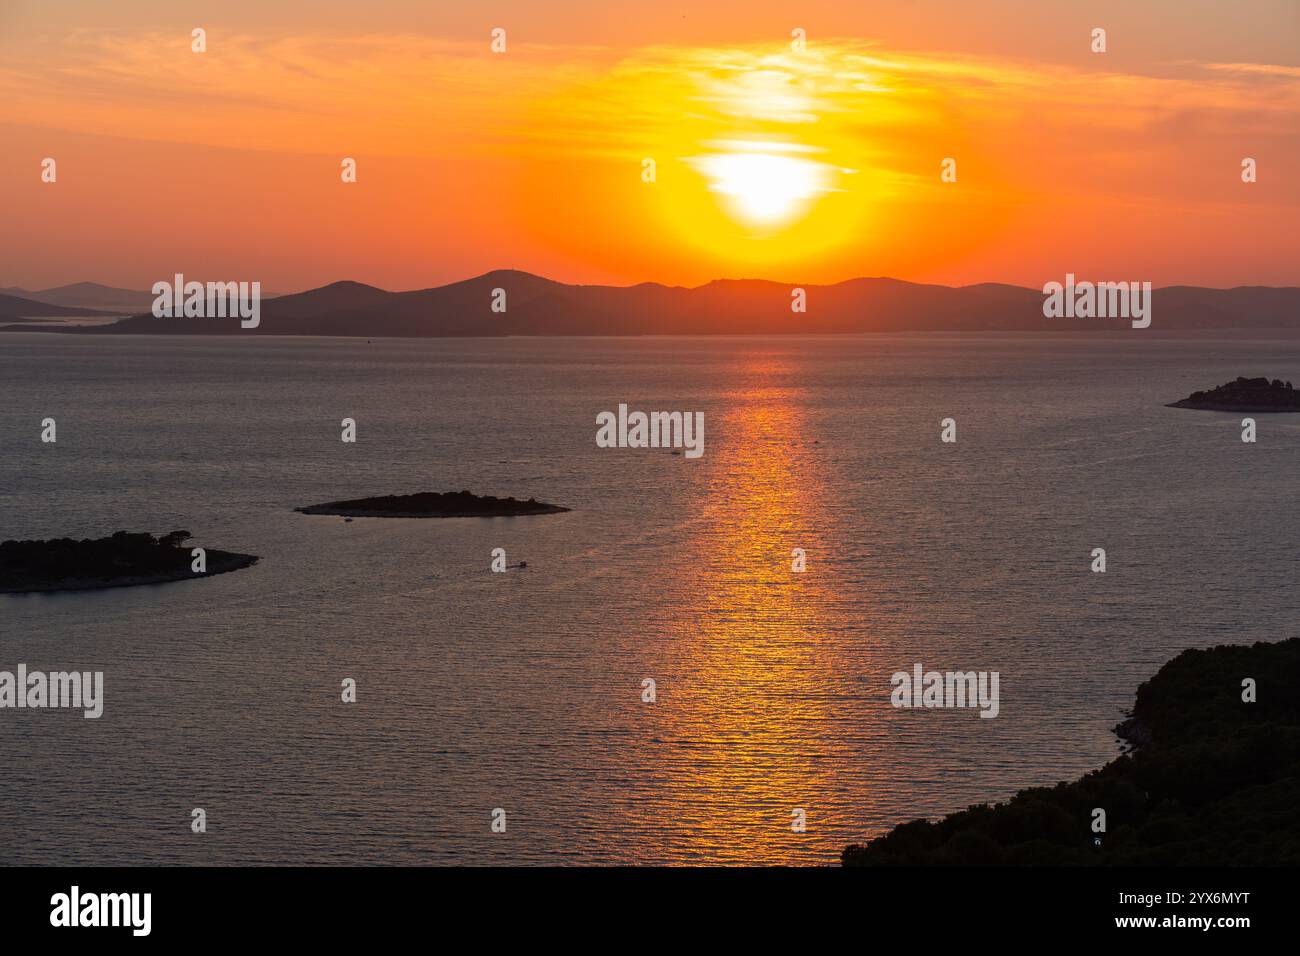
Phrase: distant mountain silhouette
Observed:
(539, 306)
(92, 295)
(89, 295)
(12, 307)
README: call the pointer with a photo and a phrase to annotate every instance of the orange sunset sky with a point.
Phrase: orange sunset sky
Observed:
(810, 165)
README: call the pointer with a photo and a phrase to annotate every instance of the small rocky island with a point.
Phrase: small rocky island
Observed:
(123, 559)
(431, 504)
(1245, 395)
(1211, 779)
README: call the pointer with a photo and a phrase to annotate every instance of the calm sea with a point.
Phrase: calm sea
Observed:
(523, 691)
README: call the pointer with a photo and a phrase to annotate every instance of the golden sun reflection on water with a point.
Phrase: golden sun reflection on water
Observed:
(752, 660)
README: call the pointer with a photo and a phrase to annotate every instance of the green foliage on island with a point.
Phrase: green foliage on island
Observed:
(123, 557)
(1211, 780)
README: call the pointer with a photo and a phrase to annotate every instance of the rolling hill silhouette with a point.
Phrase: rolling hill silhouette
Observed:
(539, 306)
(13, 307)
(88, 295)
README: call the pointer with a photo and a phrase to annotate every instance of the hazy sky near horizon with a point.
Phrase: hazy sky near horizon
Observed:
(802, 165)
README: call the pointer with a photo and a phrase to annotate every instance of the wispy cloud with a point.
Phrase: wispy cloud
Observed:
(415, 94)
(389, 93)
(1261, 69)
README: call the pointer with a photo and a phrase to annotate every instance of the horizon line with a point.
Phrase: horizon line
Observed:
(649, 282)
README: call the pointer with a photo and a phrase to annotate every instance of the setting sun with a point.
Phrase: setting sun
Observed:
(761, 187)
(622, 436)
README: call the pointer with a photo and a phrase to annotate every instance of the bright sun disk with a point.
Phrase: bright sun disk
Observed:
(761, 187)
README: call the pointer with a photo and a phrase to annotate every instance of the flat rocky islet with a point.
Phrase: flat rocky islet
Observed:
(1245, 395)
(432, 504)
(124, 559)
(1210, 779)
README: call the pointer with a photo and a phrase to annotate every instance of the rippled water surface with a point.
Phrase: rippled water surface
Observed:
(523, 690)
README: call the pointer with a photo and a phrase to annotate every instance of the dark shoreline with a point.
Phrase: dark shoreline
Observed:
(1208, 779)
(428, 504)
(1214, 407)
(218, 562)
(324, 510)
